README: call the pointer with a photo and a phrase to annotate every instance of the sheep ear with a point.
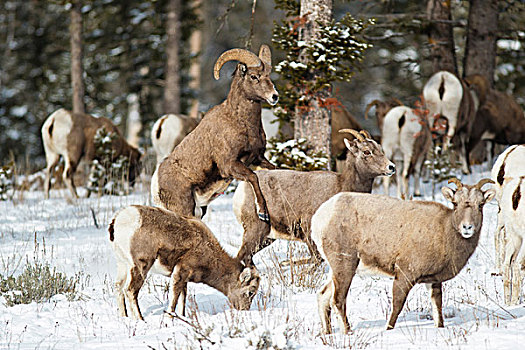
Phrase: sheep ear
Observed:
(448, 193)
(488, 195)
(245, 275)
(347, 144)
(242, 69)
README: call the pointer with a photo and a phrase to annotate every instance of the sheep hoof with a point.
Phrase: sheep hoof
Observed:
(264, 217)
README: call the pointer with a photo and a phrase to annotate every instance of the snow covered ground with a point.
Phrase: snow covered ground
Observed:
(283, 315)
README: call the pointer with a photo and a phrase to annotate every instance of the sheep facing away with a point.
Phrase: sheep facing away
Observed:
(509, 165)
(168, 131)
(294, 196)
(413, 241)
(71, 136)
(229, 138)
(448, 97)
(153, 239)
(512, 205)
(405, 138)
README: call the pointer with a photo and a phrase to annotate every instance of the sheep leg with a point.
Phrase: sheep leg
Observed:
(386, 185)
(342, 280)
(179, 279)
(463, 154)
(69, 171)
(265, 163)
(323, 304)
(52, 160)
(253, 240)
(417, 175)
(511, 248)
(437, 304)
(119, 285)
(136, 281)
(518, 274)
(499, 241)
(240, 172)
(400, 291)
(406, 168)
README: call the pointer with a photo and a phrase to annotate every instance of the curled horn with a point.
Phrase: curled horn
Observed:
(366, 134)
(356, 134)
(241, 55)
(370, 105)
(483, 182)
(457, 182)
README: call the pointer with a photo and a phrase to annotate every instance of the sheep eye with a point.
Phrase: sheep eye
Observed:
(367, 153)
(254, 77)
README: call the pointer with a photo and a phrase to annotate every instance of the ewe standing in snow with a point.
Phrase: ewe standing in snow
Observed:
(509, 165)
(294, 196)
(148, 238)
(228, 139)
(413, 241)
(71, 135)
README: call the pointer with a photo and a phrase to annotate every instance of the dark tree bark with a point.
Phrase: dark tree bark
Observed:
(77, 71)
(313, 122)
(480, 50)
(172, 71)
(440, 36)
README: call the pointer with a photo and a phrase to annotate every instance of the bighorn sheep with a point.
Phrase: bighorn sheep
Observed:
(71, 136)
(168, 131)
(228, 139)
(448, 97)
(405, 134)
(341, 119)
(512, 204)
(499, 117)
(294, 196)
(413, 241)
(509, 165)
(149, 238)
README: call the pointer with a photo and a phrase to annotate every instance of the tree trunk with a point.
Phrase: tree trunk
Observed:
(480, 50)
(172, 71)
(313, 121)
(195, 66)
(75, 31)
(440, 36)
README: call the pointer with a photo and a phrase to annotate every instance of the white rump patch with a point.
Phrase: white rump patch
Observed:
(127, 223)
(62, 126)
(320, 221)
(155, 198)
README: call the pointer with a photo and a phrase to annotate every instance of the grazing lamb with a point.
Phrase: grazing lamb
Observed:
(448, 97)
(413, 241)
(405, 135)
(294, 196)
(512, 204)
(228, 139)
(168, 131)
(148, 238)
(71, 136)
(509, 165)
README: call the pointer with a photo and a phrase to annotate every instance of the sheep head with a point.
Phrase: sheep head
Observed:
(252, 73)
(382, 109)
(468, 201)
(367, 154)
(480, 85)
(245, 289)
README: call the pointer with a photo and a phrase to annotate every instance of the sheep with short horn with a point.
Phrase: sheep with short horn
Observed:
(168, 131)
(294, 196)
(153, 239)
(229, 138)
(448, 98)
(413, 241)
(71, 136)
(509, 165)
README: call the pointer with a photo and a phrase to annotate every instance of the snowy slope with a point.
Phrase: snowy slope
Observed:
(283, 315)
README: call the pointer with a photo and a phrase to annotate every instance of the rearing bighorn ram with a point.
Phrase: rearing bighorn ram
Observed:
(71, 136)
(228, 139)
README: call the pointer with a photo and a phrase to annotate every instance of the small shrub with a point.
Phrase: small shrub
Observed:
(38, 282)
(296, 155)
(7, 178)
(107, 175)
